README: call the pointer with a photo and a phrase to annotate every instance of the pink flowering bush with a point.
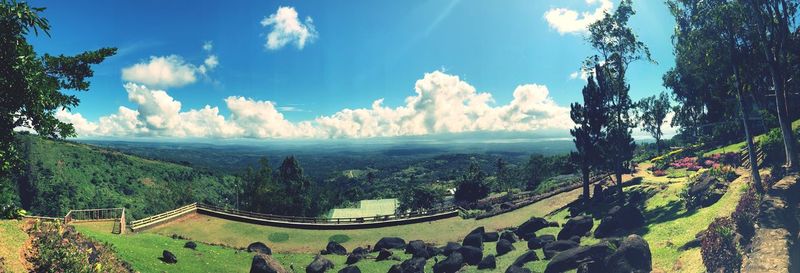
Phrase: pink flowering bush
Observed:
(688, 163)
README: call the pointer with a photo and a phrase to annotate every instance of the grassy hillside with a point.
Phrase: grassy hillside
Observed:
(12, 238)
(62, 175)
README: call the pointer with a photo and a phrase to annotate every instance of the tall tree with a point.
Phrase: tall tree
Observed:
(472, 186)
(651, 113)
(773, 22)
(296, 187)
(590, 119)
(420, 197)
(32, 85)
(502, 176)
(617, 47)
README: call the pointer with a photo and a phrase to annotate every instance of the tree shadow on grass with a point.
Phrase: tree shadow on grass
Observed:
(670, 212)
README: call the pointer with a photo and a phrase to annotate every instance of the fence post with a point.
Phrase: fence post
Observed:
(122, 222)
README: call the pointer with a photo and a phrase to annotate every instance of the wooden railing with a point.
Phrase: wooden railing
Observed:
(320, 220)
(154, 220)
(95, 215)
(744, 157)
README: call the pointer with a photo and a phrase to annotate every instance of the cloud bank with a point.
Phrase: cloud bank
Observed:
(442, 103)
(566, 20)
(288, 29)
(170, 71)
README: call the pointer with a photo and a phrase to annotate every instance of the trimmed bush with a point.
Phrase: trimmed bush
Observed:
(745, 214)
(277, 237)
(719, 248)
(339, 238)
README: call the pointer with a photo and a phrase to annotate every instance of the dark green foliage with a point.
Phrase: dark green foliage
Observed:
(745, 214)
(32, 86)
(772, 146)
(719, 248)
(540, 168)
(61, 175)
(651, 112)
(420, 197)
(60, 248)
(287, 192)
(590, 119)
(339, 238)
(472, 185)
(277, 237)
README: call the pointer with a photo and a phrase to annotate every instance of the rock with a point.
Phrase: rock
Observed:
(488, 262)
(335, 248)
(389, 243)
(504, 246)
(413, 265)
(350, 269)
(415, 246)
(319, 264)
(472, 255)
(619, 218)
(475, 240)
(452, 264)
(479, 230)
(491, 237)
(450, 248)
(571, 258)
(324, 252)
(259, 247)
(530, 227)
(539, 242)
(506, 205)
(576, 226)
(353, 258)
(168, 257)
(435, 251)
(517, 269)
(576, 239)
(423, 253)
(395, 269)
(360, 251)
(263, 263)
(528, 256)
(383, 255)
(190, 245)
(511, 237)
(633, 255)
(707, 189)
(591, 267)
(553, 248)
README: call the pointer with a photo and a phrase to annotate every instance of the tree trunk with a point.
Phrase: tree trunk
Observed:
(658, 146)
(618, 174)
(785, 124)
(751, 151)
(585, 178)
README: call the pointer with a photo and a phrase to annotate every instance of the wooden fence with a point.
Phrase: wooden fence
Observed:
(96, 215)
(744, 157)
(157, 219)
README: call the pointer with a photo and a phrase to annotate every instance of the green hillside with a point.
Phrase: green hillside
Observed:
(62, 175)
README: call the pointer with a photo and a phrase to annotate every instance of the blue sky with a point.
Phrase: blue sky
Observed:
(334, 55)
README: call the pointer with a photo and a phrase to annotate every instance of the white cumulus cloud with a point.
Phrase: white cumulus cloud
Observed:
(566, 20)
(442, 103)
(287, 28)
(167, 71)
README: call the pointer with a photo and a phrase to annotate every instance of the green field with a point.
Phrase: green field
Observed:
(12, 239)
(367, 208)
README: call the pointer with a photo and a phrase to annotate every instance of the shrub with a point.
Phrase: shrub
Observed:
(719, 248)
(659, 173)
(59, 248)
(277, 237)
(724, 173)
(745, 214)
(467, 214)
(772, 146)
(339, 238)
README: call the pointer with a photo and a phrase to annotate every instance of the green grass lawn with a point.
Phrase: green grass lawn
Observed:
(12, 239)
(736, 147)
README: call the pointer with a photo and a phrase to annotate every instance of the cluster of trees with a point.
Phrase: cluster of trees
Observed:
(607, 116)
(285, 192)
(749, 52)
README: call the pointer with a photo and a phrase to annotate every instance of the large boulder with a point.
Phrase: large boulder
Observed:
(478, 230)
(360, 251)
(452, 264)
(592, 267)
(511, 237)
(488, 262)
(553, 248)
(395, 269)
(350, 269)
(633, 255)
(259, 247)
(413, 265)
(491, 236)
(619, 218)
(472, 255)
(576, 226)
(504, 246)
(319, 264)
(530, 227)
(415, 246)
(528, 256)
(335, 248)
(168, 257)
(425, 253)
(450, 247)
(517, 269)
(190, 245)
(473, 239)
(571, 258)
(263, 263)
(389, 243)
(539, 242)
(353, 258)
(383, 254)
(706, 190)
